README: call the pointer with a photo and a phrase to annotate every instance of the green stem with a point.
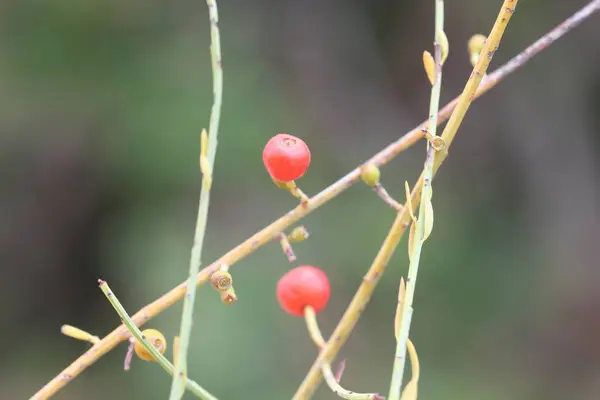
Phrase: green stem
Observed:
(413, 269)
(139, 336)
(310, 316)
(179, 377)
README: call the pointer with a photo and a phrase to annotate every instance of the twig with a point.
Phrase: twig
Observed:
(385, 196)
(345, 393)
(333, 380)
(425, 220)
(139, 336)
(79, 334)
(265, 235)
(207, 160)
(128, 356)
(364, 292)
(286, 247)
(371, 175)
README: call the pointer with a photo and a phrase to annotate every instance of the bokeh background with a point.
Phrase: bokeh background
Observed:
(102, 103)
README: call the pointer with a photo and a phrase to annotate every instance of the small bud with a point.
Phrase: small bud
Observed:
(429, 64)
(428, 215)
(445, 46)
(79, 334)
(228, 296)
(474, 58)
(475, 44)
(370, 174)
(221, 280)
(155, 338)
(299, 234)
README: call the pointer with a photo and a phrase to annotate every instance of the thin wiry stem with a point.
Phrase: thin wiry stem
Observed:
(265, 235)
(424, 212)
(207, 165)
(139, 336)
(332, 380)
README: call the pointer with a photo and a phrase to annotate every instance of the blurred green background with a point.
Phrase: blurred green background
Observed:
(102, 104)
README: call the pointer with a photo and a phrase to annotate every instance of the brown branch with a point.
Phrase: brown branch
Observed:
(264, 236)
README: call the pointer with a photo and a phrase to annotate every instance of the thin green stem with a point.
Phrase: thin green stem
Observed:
(310, 316)
(139, 336)
(426, 193)
(400, 358)
(317, 337)
(179, 377)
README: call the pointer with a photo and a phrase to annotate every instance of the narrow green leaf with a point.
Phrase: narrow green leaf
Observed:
(411, 238)
(428, 219)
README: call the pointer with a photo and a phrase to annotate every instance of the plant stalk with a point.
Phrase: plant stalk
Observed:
(426, 193)
(178, 384)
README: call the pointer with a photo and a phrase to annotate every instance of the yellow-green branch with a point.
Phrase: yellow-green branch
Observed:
(207, 160)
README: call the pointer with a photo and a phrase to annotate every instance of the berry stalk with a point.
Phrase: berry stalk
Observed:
(333, 380)
(207, 160)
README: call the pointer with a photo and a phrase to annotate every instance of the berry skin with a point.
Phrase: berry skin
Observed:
(303, 286)
(286, 157)
(154, 337)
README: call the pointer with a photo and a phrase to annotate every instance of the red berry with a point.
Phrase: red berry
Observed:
(303, 286)
(286, 157)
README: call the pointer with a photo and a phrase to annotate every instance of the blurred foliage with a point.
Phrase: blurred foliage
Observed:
(102, 108)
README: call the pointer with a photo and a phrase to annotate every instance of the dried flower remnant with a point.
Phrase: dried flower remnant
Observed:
(221, 280)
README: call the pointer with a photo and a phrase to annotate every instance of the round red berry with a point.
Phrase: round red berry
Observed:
(286, 157)
(303, 286)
